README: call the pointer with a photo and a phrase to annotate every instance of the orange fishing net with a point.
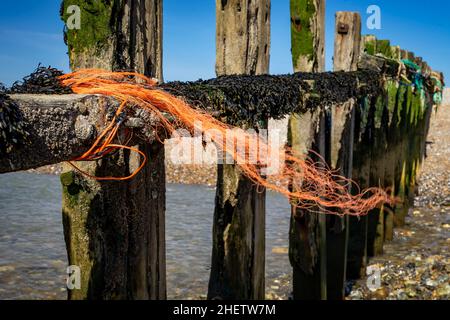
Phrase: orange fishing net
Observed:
(307, 184)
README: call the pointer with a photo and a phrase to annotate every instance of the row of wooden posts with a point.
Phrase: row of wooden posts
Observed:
(115, 231)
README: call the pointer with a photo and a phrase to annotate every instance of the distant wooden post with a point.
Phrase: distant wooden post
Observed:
(403, 54)
(114, 231)
(347, 47)
(419, 61)
(396, 52)
(425, 68)
(307, 235)
(238, 254)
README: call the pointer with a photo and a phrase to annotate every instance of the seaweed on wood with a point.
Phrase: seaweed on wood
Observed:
(44, 80)
(247, 99)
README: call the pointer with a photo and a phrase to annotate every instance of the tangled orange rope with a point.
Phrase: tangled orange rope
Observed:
(307, 184)
(98, 150)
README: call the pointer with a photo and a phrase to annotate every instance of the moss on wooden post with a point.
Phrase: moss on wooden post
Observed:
(307, 235)
(114, 231)
(400, 171)
(395, 98)
(384, 47)
(304, 53)
(391, 152)
(375, 235)
(97, 17)
(384, 109)
(94, 40)
(369, 44)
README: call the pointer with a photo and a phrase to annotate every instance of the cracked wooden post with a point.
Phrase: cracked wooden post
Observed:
(307, 235)
(114, 231)
(347, 47)
(238, 253)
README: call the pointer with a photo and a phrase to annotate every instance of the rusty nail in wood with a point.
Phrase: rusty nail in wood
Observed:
(343, 28)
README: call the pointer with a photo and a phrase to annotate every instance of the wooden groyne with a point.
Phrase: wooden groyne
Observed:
(368, 119)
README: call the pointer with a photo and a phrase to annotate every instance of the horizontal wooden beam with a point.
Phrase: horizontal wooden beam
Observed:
(59, 127)
(63, 127)
(247, 99)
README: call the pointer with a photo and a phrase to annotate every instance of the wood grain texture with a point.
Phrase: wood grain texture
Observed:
(242, 37)
(347, 41)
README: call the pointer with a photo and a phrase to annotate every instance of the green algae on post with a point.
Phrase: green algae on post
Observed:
(96, 25)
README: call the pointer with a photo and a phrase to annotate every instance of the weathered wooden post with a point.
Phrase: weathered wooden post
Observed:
(347, 47)
(391, 153)
(420, 106)
(403, 102)
(357, 243)
(238, 253)
(114, 231)
(412, 104)
(404, 54)
(307, 235)
(378, 163)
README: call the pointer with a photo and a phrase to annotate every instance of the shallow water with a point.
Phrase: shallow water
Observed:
(32, 251)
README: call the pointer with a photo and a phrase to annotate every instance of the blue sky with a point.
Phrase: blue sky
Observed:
(31, 32)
